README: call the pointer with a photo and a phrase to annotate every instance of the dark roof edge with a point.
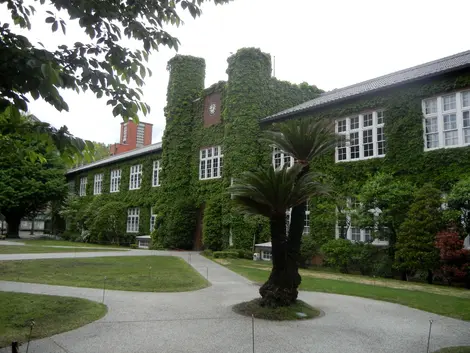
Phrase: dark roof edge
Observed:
(117, 158)
(288, 113)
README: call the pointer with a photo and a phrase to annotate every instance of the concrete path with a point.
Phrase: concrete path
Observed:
(202, 321)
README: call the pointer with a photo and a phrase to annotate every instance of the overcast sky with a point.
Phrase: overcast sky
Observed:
(329, 43)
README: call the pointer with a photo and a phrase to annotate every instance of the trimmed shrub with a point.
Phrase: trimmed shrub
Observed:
(242, 253)
(208, 253)
(339, 254)
(226, 254)
(308, 249)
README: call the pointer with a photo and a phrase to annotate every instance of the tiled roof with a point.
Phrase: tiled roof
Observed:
(433, 68)
(119, 157)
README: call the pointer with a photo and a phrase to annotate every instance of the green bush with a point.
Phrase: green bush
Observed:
(71, 236)
(133, 246)
(382, 267)
(242, 253)
(364, 256)
(339, 254)
(208, 253)
(308, 249)
(226, 254)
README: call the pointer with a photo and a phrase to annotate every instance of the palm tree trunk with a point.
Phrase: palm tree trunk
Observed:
(280, 289)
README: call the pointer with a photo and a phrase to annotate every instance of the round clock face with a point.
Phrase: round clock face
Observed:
(212, 109)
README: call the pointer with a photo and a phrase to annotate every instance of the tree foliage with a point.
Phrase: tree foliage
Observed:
(27, 185)
(385, 201)
(103, 65)
(109, 223)
(459, 200)
(417, 234)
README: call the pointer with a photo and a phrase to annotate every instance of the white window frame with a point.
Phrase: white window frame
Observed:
(157, 168)
(266, 255)
(306, 230)
(98, 184)
(208, 157)
(440, 114)
(115, 180)
(133, 215)
(281, 158)
(135, 177)
(83, 182)
(153, 218)
(354, 124)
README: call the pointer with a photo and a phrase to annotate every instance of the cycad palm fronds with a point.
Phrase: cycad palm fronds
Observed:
(269, 191)
(303, 139)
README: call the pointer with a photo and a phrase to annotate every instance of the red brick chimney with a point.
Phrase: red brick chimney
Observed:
(132, 136)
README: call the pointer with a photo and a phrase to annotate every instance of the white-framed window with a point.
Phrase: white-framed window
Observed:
(98, 183)
(157, 168)
(306, 220)
(368, 235)
(115, 180)
(153, 218)
(281, 159)
(211, 163)
(133, 220)
(140, 135)
(135, 179)
(306, 229)
(124, 133)
(266, 255)
(83, 181)
(361, 136)
(446, 121)
(355, 234)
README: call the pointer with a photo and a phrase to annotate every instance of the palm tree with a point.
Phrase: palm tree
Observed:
(305, 140)
(270, 193)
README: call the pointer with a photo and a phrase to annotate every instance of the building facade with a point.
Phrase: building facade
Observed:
(414, 123)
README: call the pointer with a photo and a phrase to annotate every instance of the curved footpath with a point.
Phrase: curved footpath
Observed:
(202, 321)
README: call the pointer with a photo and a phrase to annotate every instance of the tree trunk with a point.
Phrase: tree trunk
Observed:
(429, 277)
(13, 229)
(280, 289)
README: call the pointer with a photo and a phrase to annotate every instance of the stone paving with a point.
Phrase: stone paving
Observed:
(202, 321)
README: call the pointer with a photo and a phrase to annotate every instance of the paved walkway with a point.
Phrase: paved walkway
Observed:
(202, 321)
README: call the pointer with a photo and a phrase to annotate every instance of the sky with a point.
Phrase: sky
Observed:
(328, 43)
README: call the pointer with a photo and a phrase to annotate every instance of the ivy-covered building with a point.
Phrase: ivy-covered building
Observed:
(414, 123)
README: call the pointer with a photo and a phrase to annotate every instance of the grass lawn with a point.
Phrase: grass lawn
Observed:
(51, 315)
(461, 349)
(450, 302)
(278, 314)
(52, 242)
(28, 249)
(132, 273)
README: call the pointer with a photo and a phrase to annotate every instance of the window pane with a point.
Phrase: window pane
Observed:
(432, 140)
(466, 135)
(466, 119)
(466, 99)
(430, 106)
(342, 154)
(451, 138)
(354, 142)
(355, 233)
(341, 125)
(431, 125)
(450, 121)
(209, 152)
(380, 117)
(367, 120)
(355, 123)
(448, 102)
